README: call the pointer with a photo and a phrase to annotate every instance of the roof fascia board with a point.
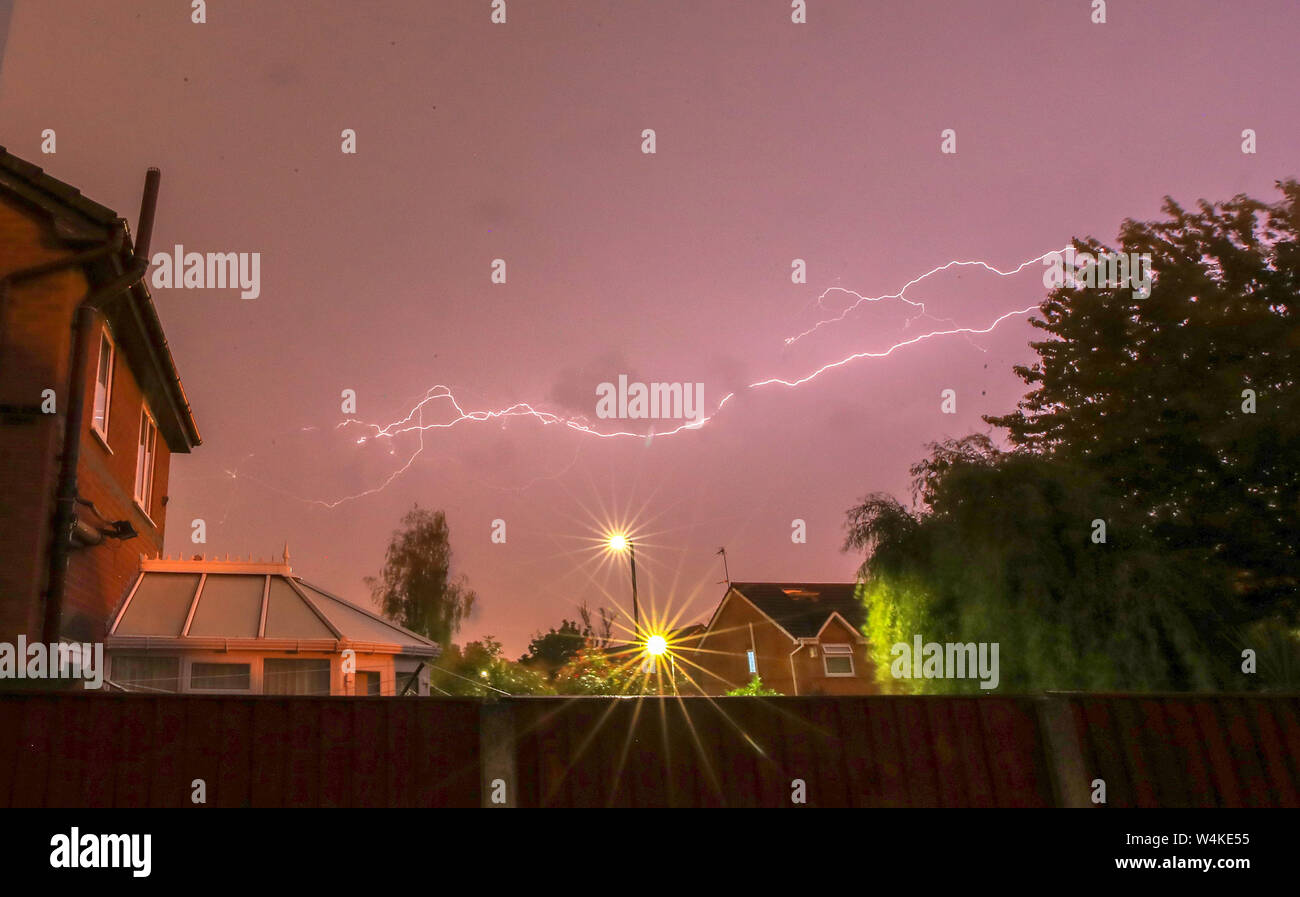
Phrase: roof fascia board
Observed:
(157, 358)
(216, 643)
(159, 565)
(69, 222)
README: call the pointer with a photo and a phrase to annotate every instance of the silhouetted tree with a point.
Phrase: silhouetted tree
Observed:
(416, 588)
(553, 649)
(598, 634)
(1139, 417)
(1150, 394)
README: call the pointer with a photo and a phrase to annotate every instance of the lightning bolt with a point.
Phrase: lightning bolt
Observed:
(901, 294)
(450, 412)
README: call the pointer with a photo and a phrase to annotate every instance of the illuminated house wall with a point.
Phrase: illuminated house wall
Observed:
(788, 627)
(44, 221)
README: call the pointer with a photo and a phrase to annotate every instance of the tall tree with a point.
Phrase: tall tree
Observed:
(416, 587)
(1187, 403)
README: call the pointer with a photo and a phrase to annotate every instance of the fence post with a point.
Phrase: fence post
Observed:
(1064, 754)
(497, 754)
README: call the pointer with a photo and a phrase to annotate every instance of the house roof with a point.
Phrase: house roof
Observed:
(802, 608)
(686, 633)
(79, 221)
(237, 605)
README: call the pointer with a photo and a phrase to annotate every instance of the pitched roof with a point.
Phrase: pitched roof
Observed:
(801, 608)
(685, 633)
(244, 606)
(63, 200)
(78, 220)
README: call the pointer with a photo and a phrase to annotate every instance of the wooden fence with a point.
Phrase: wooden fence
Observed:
(96, 750)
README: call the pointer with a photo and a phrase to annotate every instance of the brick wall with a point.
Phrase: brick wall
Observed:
(34, 336)
(811, 668)
(35, 352)
(740, 626)
(99, 576)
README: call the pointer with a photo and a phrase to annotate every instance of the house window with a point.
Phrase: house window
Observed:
(147, 673)
(144, 460)
(368, 683)
(219, 677)
(295, 677)
(838, 660)
(402, 678)
(753, 662)
(103, 386)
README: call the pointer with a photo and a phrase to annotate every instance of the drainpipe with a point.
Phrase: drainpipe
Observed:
(65, 515)
(794, 677)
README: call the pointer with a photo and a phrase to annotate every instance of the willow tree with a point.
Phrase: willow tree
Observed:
(1004, 552)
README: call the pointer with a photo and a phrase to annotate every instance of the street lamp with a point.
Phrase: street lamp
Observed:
(620, 543)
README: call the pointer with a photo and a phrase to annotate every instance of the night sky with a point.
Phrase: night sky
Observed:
(523, 142)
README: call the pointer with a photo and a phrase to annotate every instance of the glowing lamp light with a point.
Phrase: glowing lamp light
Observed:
(618, 542)
(656, 646)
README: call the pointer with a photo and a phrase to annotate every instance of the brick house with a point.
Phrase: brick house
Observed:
(91, 408)
(799, 638)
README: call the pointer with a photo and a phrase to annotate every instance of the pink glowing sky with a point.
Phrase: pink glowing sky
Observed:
(522, 142)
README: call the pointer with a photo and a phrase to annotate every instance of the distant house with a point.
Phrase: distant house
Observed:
(687, 636)
(799, 638)
(83, 498)
(235, 627)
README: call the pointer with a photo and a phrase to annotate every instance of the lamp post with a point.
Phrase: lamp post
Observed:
(619, 542)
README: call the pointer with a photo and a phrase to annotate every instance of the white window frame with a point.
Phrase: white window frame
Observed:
(189, 676)
(104, 337)
(143, 492)
(333, 669)
(134, 655)
(838, 650)
(751, 657)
